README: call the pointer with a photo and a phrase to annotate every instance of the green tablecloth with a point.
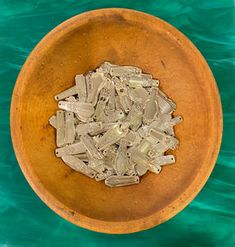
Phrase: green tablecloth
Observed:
(210, 219)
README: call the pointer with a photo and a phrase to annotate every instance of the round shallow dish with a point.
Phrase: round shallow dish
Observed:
(124, 37)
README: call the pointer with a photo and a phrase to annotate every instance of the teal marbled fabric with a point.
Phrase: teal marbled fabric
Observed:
(210, 219)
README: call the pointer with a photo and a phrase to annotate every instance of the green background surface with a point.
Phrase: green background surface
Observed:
(210, 219)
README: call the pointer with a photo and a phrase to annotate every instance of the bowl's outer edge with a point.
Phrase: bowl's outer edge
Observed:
(51, 201)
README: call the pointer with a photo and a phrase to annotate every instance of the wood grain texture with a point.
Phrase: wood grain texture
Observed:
(123, 37)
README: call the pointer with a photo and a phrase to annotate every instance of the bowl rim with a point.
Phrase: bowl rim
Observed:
(117, 227)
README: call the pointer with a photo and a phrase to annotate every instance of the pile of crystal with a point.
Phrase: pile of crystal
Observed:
(115, 124)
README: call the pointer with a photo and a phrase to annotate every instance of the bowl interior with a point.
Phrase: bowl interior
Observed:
(126, 38)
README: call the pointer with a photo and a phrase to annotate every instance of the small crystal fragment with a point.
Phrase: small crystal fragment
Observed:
(151, 108)
(164, 160)
(134, 117)
(117, 181)
(78, 165)
(89, 144)
(67, 93)
(81, 87)
(69, 127)
(121, 161)
(97, 81)
(60, 128)
(75, 148)
(113, 135)
(166, 105)
(52, 121)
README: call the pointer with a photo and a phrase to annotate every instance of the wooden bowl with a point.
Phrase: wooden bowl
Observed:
(123, 37)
